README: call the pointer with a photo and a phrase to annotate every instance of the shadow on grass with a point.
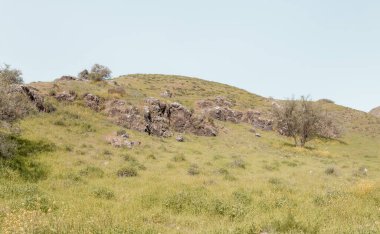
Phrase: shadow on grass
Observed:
(286, 144)
(20, 154)
(326, 140)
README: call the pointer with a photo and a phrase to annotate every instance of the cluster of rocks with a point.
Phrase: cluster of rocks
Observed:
(258, 121)
(33, 96)
(122, 141)
(167, 94)
(221, 109)
(66, 96)
(93, 102)
(160, 119)
(163, 119)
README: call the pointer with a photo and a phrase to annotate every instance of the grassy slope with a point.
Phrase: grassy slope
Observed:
(246, 184)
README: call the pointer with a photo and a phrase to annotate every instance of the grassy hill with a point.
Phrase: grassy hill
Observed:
(65, 179)
(375, 111)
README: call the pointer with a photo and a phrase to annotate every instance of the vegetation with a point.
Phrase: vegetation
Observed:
(303, 120)
(66, 177)
(97, 73)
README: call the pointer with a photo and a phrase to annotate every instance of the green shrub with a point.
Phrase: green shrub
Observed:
(291, 225)
(151, 156)
(121, 132)
(36, 202)
(179, 158)
(127, 172)
(239, 163)
(331, 171)
(103, 193)
(129, 158)
(92, 172)
(193, 170)
(52, 92)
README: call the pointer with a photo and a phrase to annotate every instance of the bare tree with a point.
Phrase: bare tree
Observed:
(303, 120)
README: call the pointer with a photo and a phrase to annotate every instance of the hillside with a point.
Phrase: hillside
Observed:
(74, 174)
(375, 111)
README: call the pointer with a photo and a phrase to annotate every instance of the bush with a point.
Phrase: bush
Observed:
(121, 132)
(127, 172)
(103, 193)
(91, 171)
(193, 170)
(52, 92)
(99, 72)
(83, 74)
(10, 76)
(151, 156)
(117, 90)
(303, 120)
(179, 158)
(239, 163)
(331, 171)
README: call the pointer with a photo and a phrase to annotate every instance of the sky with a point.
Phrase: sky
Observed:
(274, 48)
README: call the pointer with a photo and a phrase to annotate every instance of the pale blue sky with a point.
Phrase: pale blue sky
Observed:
(328, 49)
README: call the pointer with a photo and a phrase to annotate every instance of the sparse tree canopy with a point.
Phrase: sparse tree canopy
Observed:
(303, 120)
(13, 103)
(99, 72)
(10, 76)
(83, 74)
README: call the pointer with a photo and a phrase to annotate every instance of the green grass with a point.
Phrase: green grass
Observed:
(233, 183)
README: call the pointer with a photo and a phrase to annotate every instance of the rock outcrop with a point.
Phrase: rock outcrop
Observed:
(33, 96)
(93, 102)
(220, 109)
(255, 118)
(159, 119)
(66, 96)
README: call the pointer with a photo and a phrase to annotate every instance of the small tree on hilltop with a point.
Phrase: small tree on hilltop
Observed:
(99, 72)
(303, 120)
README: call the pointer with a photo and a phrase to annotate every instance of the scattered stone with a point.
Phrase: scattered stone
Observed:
(363, 171)
(225, 114)
(258, 135)
(218, 101)
(93, 102)
(125, 135)
(167, 94)
(180, 138)
(120, 142)
(255, 118)
(66, 96)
